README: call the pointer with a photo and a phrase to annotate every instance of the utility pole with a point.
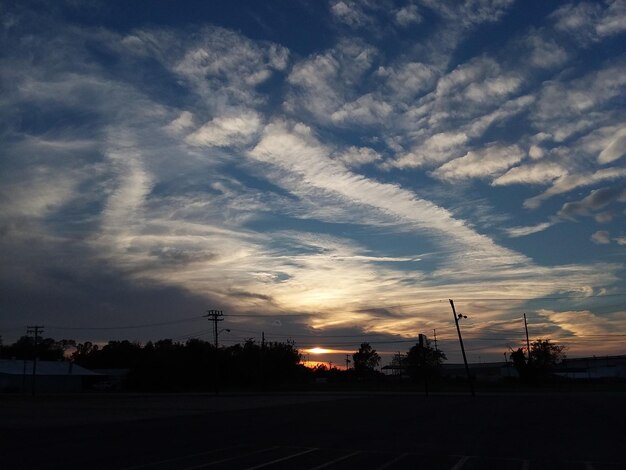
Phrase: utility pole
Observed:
(263, 359)
(435, 334)
(458, 330)
(422, 344)
(527, 340)
(34, 330)
(216, 316)
(347, 361)
(398, 362)
(506, 365)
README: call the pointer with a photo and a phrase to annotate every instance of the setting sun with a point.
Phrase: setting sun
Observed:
(318, 350)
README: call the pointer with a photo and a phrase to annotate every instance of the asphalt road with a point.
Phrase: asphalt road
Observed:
(525, 432)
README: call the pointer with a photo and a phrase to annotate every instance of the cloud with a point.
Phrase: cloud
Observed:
(482, 163)
(604, 217)
(597, 199)
(407, 16)
(601, 237)
(223, 131)
(182, 123)
(322, 84)
(465, 75)
(566, 183)
(545, 52)
(565, 108)
(281, 143)
(615, 148)
(365, 110)
(130, 187)
(408, 79)
(578, 322)
(357, 156)
(515, 232)
(224, 67)
(49, 187)
(351, 13)
(591, 21)
(435, 147)
(470, 13)
(614, 21)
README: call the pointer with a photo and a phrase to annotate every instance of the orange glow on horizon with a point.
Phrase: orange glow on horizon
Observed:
(314, 364)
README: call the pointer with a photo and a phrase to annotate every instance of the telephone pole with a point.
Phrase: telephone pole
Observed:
(216, 316)
(458, 330)
(263, 360)
(527, 340)
(34, 330)
(347, 361)
(435, 335)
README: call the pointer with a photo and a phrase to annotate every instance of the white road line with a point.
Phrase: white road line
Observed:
(460, 463)
(588, 466)
(176, 459)
(391, 462)
(525, 465)
(282, 459)
(333, 462)
(228, 459)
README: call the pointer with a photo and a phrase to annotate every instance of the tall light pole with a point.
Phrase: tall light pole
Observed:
(458, 330)
(527, 339)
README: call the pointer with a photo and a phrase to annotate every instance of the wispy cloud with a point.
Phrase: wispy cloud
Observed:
(482, 163)
(591, 21)
(597, 199)
(601, 237)
(515, 232)
(531, 173)
(225, 130)
(567, 183)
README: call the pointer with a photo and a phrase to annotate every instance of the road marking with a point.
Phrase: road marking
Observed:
(176, 459)
(460, 463)
(282, 459)
(332, 462)
(228, 459)
(391, 462)
(525, 465)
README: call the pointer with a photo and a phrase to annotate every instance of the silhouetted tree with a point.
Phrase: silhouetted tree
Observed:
(366, 359)
(115, 354)
(544, 355)
(520, 363)
(47, 349)
(423, 361)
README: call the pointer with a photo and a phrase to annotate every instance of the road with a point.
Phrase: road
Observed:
(360, 431)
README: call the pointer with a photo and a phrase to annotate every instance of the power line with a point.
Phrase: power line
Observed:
(125, 327)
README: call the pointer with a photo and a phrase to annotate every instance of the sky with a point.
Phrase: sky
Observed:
(329, 172)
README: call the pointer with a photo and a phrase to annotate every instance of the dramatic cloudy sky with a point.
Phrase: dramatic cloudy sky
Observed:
(326, 171)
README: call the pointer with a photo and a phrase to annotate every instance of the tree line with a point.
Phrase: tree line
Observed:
(196, 364)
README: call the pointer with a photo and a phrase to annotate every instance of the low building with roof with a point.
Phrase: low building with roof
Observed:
(16, 375)
(593, 368)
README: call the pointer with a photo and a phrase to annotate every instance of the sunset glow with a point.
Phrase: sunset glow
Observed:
(318, 351)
